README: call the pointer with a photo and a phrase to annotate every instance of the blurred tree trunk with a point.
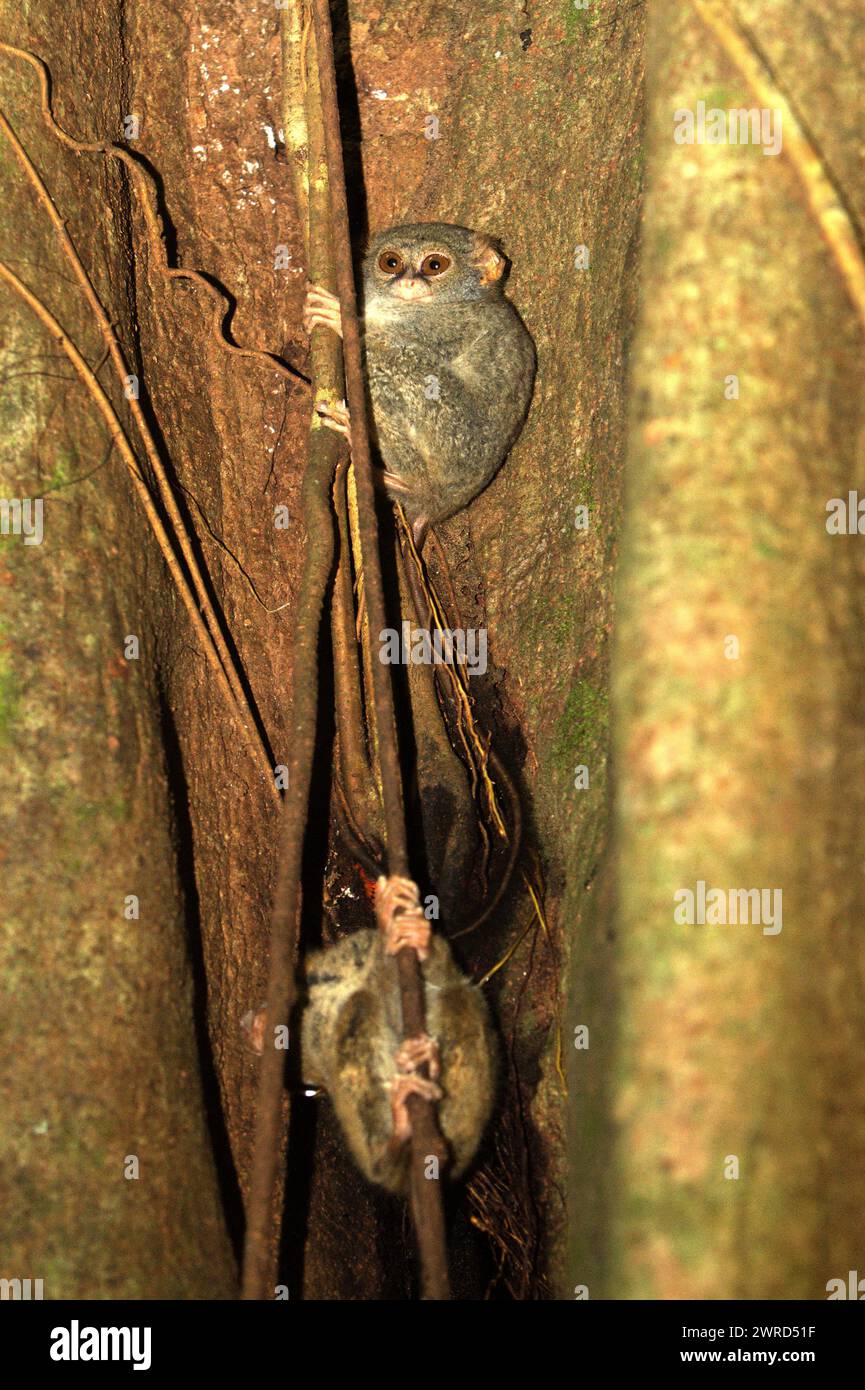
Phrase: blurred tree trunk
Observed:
(740, 697)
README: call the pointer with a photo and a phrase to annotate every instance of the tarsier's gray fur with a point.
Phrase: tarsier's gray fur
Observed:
(466, 346)
(351, 1032)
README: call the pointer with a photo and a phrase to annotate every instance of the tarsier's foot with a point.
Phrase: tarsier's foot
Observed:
(336, 417)
(321, 310)
(393, 483)
(415, 1053)
(400, 916)
(403, 1086)
(419, 528)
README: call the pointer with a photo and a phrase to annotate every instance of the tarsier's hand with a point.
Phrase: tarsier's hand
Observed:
(336, 418)
(418, 1052)
(400, 916)
(414, 1053)
(321, 310)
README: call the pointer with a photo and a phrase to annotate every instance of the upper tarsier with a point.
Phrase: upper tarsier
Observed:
(449, 364)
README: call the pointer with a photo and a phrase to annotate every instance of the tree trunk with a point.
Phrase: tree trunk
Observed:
(739, 697)
(109, 1184)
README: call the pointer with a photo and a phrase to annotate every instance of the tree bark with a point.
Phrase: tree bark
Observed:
(109, 1183)
(740, 761)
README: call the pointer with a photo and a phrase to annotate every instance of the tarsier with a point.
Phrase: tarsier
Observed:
(351, 1040)
(449, 365)
(450, 370)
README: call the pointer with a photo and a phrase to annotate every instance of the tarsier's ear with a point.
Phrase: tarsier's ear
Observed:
(489, 258)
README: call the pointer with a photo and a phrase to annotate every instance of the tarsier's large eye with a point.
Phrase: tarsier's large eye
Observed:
(436, 264)
(391, 262)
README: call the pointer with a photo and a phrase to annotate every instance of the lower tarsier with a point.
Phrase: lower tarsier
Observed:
(351, 1045)
(450, 370)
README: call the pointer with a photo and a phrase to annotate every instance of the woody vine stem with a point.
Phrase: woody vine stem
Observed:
(329, 260)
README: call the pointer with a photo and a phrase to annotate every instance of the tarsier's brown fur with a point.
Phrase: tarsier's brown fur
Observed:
(352, 1034)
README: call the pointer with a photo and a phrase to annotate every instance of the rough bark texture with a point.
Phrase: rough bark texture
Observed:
(741, 772)
(100, 1048)
(538, 142)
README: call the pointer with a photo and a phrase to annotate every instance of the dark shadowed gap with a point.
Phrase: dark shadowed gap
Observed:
(185, 846)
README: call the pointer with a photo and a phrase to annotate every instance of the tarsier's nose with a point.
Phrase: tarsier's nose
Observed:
(410, 286)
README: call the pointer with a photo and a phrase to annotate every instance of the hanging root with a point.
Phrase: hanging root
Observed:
(145, 186)
(485, 768)
(215, 646)
(841, 234)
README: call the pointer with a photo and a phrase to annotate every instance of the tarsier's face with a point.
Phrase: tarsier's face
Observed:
(422, 264)
(409, 274)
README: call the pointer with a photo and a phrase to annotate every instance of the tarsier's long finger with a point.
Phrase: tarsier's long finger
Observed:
(418, 1052)
(322, 309)
(254, 1024)
(316, 319)
(318, 292)
(401, 1088)
(405, 890)
(394, 484)
(393, 891)
(336, 418)
(409, 929)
